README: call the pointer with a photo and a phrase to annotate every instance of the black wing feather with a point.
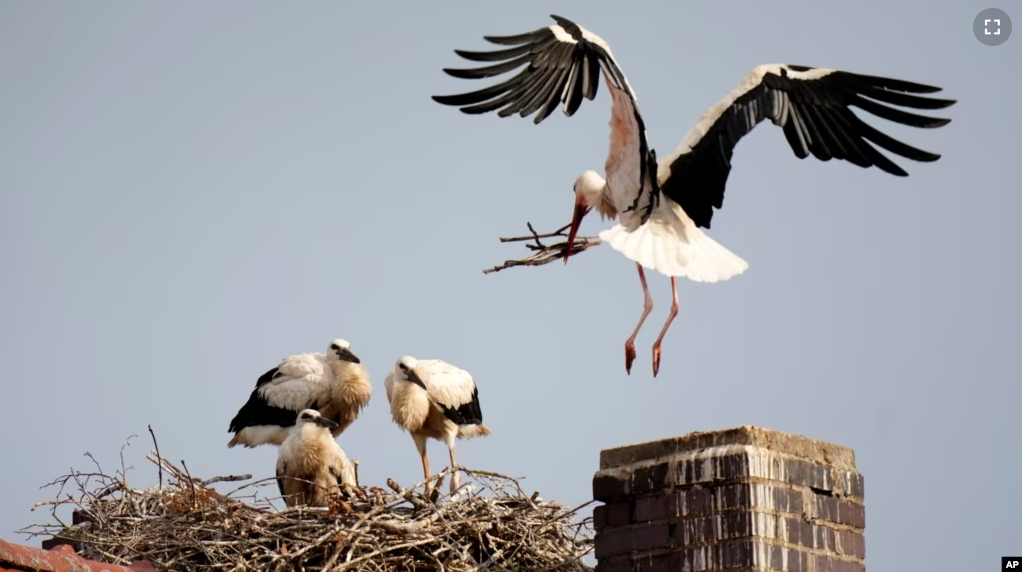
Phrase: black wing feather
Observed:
(466, 414)
(556, 72)
(816, 119)
(280, 478)
(257, 411)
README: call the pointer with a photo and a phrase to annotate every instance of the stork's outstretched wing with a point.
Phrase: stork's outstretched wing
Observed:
(812, 106)
(564, 63)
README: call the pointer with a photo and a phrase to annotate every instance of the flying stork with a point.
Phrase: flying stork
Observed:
(336, 384)
(662, 205)
(310, 463)
(433, 399)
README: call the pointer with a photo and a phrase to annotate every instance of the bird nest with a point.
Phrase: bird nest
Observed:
(489, 523)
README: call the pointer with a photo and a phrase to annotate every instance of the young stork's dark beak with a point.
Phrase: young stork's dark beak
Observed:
(324, 422)
(345, 354)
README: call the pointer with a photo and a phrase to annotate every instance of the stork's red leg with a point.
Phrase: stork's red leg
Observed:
(664, 330)
(648, 304)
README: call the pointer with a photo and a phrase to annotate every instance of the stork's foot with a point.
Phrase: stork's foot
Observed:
(657, 358)
(630, 355)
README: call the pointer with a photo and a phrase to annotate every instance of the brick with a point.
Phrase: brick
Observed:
(619, 514)
(850, 544)
(695, 501)
(625, 540)
(823, 539)
(760, 555)
(735, 553)
(826, 508)
(612, 515)
(732, 496)
(736, 525)
(854, 484)
(614, 565)
(599, 517)
(669, 562)
(651, 479)
(693, 531)
(609, 488)
(807, 474)
(698, 559)
(654, 507)
(851, 513)
(828, 564)
(798, 531)
(695, 471)
(759, 496)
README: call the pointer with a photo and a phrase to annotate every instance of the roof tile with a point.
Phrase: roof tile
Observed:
(60, 558)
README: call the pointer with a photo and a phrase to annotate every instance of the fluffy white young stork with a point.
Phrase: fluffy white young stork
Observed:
(662, 205)
(336, 384)
(310, 464)
(432, 399)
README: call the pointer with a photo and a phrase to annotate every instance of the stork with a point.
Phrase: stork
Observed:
(310, 463)
(335, 384)
(663, 205)
(432, 399)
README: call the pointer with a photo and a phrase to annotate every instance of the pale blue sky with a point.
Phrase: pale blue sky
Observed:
(192, 191)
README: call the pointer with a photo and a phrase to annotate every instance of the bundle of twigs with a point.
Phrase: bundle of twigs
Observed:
(544, 253)
(488, 524)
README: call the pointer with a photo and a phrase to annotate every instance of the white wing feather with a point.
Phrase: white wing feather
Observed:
(446, 384)
(305, 379)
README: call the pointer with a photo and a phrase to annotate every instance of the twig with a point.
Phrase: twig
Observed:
(225, 479)
(543, 253)
(191, 481)
(157, 447)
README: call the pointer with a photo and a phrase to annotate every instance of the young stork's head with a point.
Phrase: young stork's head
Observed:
(312, 417)
(589, 193)
(341, 350)
(406, 369)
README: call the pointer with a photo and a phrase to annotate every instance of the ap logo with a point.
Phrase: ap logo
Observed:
(1012, 563)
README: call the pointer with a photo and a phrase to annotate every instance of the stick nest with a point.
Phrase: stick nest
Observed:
(185, 524)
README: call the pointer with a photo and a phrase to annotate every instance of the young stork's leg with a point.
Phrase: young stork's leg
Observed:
(454, 473)
(421, 446)
(671, 317)
(648, 304)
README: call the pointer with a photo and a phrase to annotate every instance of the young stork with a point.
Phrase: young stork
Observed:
(310, 463)
(433, 399)
(336, 384)
(662, 205)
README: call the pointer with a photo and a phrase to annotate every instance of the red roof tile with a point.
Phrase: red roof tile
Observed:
(61, 558)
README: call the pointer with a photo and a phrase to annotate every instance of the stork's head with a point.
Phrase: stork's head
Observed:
(342, 351)
(406, 370)
(588, 189)
(313, 417)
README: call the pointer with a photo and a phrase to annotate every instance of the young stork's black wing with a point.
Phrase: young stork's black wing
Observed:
(812, 106)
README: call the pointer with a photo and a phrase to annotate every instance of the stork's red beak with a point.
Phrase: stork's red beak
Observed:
(581, 210)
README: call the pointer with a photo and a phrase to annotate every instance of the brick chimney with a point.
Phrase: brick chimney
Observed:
(743, 500)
